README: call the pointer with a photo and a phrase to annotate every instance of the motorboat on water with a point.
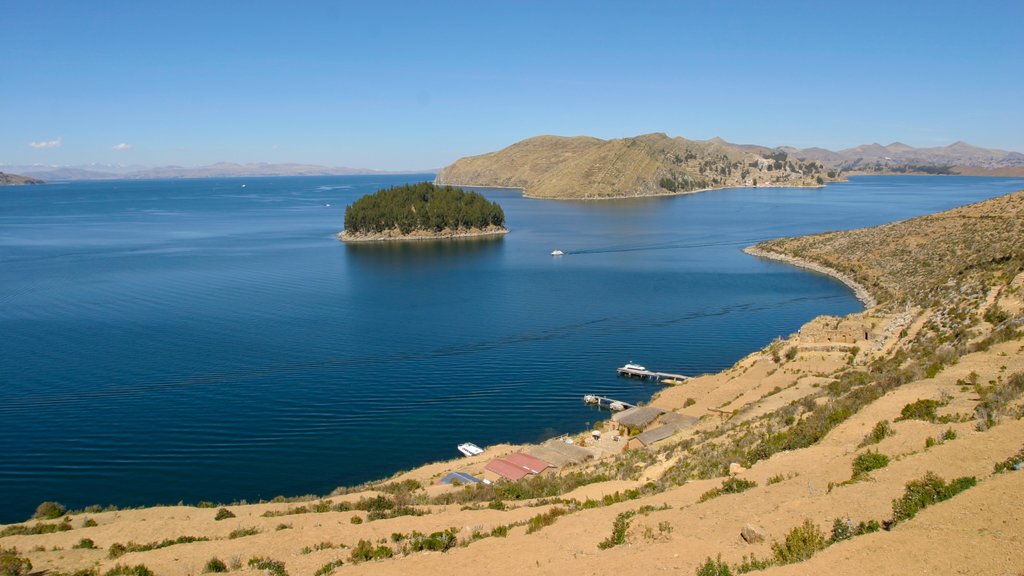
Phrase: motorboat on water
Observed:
(557, 253)
(632, 366)
(469, 449)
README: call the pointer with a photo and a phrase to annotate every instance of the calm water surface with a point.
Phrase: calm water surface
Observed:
(204, 340)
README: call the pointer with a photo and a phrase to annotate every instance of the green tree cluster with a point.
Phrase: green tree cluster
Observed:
(422, 206)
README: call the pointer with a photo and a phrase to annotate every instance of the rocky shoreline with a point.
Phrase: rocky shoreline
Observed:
(397, 235)
(859, 290)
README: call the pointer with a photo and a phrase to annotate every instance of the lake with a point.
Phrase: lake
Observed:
(189, 340)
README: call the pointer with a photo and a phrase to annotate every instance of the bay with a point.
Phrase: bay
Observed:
(189, 340)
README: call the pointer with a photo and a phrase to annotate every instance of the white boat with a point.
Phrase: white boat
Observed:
(590, 399)
(557, 253)
(617, 406)
(632, 366)
(470, 449)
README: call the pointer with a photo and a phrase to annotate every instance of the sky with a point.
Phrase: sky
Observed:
(417, 85)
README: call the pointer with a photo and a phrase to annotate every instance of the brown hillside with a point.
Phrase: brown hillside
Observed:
(834, 427)
(653, 164)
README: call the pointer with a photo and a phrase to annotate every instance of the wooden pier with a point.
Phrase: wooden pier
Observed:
(609, 403)
(651, 375)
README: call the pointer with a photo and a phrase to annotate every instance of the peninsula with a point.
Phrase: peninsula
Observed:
(844, 448)
(650, 165)
(15, 180)
(421, 212)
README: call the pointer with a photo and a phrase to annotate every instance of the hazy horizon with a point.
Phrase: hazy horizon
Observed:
(415, 87)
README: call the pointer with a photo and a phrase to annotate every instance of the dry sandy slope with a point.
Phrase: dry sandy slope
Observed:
(980, 531)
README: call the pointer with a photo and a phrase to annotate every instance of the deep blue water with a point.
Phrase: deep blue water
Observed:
(200, 340)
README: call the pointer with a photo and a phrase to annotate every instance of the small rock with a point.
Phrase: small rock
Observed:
(752, 534)
(735, 469)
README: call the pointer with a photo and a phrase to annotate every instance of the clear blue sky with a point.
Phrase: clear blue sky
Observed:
(419, 84)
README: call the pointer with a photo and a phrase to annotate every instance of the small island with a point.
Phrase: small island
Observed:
(422, 211)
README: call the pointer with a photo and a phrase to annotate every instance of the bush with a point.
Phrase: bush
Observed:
(867, 462)
(881, 431)
(242, 532)
(841, 530)
(1010, 462)
(125, 570)
(49, 511)
(920, 410)
(88, 523)
(11, 564)
(867, 527)
(224, 514)
(920, 494)
(714, 567)
(731, 485)
(801, 544)
(356, 520)
(215, 565)
(328, 568)
(274, 567)
(364, 551)
(689, 402)
(546, 519)
(85, 543)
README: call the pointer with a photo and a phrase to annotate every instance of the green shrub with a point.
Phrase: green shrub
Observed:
(116, 550)
(800, 544)
(49, 511)
(364, 551)
(619, 528)
(242, 532)
(38, 528)
(496, 504)
(949, 434)
(714, 567)
(776, 479)
(125, 570)
(867, 462)
(11, 564)
(754, 563)
(88, 523)
(920, 494)
(356, 519)
(1010, 462)
(328, 568)
(920, 410)
(881, 431)
(500, 531)
(689, 402)
(732, 485)
(546, 519)
(224, 514)
(215, 565)
(85, 543)
(435, 542)
(841, 530)
(274, 567)
(867, 527)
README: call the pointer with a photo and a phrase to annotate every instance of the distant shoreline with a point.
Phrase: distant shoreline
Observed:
(659, 195)
(420, 235)
(859, 290)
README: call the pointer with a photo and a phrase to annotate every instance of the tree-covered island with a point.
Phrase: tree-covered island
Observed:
(421, 211)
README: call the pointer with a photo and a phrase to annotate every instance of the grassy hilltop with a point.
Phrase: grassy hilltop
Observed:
(882, 442)
(653, 164)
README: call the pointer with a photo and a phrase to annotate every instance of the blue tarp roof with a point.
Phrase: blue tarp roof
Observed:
(459, 476)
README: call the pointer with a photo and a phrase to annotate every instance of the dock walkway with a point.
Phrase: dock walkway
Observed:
(650, 374)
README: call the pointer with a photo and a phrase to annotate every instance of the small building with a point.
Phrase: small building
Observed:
(637, 418)
(458, 478)
(498, 469)
(533, 465)
(648, 437)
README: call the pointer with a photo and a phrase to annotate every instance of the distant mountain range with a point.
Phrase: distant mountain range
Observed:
(957, 158)
(219, 170)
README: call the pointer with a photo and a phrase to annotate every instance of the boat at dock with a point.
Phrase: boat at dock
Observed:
(470, 449)
(637, 371)
(637, 367)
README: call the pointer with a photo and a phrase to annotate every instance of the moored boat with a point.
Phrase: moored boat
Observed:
(470, 449)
